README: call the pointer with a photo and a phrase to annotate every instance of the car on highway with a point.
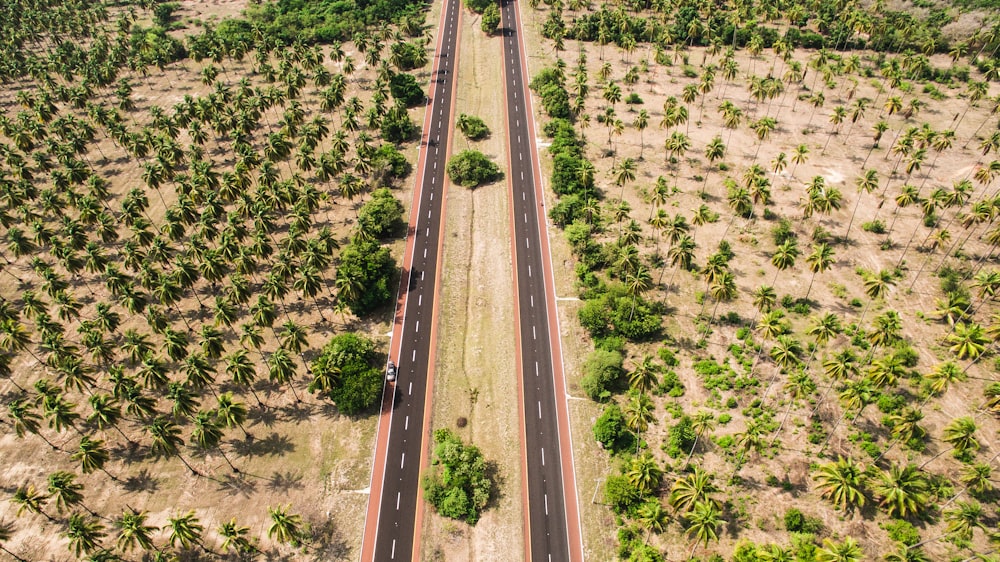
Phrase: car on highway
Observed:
(390, 372)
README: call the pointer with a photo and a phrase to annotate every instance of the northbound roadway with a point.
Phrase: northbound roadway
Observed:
(550, 497)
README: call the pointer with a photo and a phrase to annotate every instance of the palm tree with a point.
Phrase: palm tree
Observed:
(903, 491)
(92, 455)
(281, 369)
(285, 527)
(640, 124)
(652, 517)
(167, 441)
(825, 328)
(65, 490)
(847, 551)
(963, 519)
(799, 156)
(703, 523)
(208, 435)
(243, 371)
(842, 482)
(639, 413)
(905, 424)
(960, 433)
(29, 499)
(904, 553)
(26, 420)
(819, 261)
(643, 378)
(235, 537)
(967, 340)
(943, 376)
(232, 413)
(692, 489)
(644, 473)
(84, 534)
(185, 530)
(703, 421)
(132, 531)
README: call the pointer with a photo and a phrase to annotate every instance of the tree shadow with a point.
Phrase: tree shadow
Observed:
(272, 445)
(237, 484)
(298, 412)
(283, 482)
(499, 484)
(326, 542)
(141, 482)
(266, 417)
(129, 453)
(329, 410)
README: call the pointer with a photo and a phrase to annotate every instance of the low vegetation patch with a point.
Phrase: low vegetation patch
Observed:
(471, 168)
(459, 486)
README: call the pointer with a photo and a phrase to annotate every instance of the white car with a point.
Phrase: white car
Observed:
(390, 372)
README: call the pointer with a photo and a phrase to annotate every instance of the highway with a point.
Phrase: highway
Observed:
(392, 523)
(551, 510)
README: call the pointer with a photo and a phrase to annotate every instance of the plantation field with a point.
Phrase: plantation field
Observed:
(756, 311)
(180, 241)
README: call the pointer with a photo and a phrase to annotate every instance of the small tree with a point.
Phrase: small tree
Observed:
(490, 21)
(460, 488)
(471, 168)
(472, 127)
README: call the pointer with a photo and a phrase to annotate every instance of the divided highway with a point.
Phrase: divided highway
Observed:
(553, 524)
(392, 527)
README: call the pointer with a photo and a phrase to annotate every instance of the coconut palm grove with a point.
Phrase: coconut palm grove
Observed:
(780, 219)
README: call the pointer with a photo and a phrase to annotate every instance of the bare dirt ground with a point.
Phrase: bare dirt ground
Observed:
(836, 157)
(475, 375)
(303, 454)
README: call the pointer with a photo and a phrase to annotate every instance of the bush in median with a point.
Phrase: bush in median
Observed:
(471, 168)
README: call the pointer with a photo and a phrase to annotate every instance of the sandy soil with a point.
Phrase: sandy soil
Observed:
(476, 376)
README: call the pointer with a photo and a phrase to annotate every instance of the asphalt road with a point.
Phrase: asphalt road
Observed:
(549, 535)
(397, 516)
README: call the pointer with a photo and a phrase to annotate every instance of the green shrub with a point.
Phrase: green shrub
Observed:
(472, 127)
(490, 21)
(348, 372)
(680, 438)
(621, 494)
(471, 168)
(397, 127)
(382, 215)
(458, 486)
(875, 227)
(388, 163)
(782, 232)
(902, 531)
(610, 430)
(365, 275)
(670, 385)
(798, 522)
(668, 357)
(602, 373)
(405, 89)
